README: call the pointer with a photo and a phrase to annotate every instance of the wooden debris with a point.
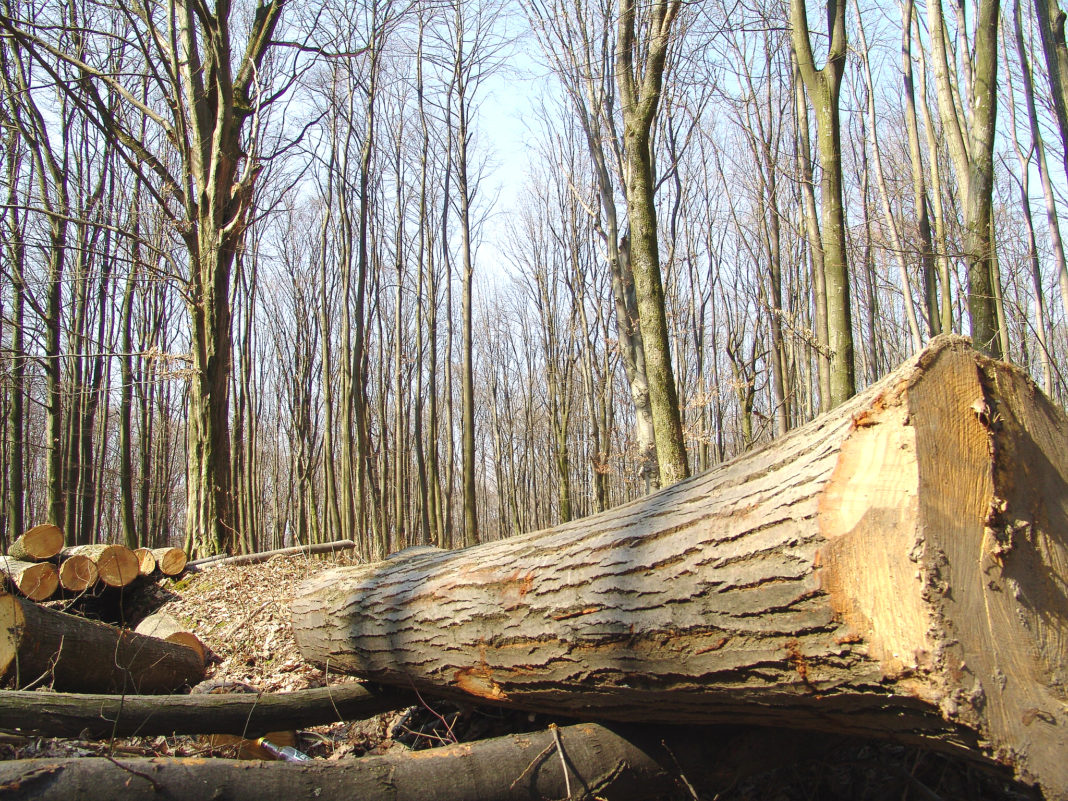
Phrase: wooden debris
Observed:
(171, 561)
(580, 761)
(146, 561)
(165, 627)
(263, 556)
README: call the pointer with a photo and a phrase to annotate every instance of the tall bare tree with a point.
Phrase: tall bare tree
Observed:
(641, 58)
(824, 86)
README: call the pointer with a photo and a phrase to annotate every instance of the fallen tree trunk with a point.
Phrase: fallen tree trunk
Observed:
(896, 568)
(166, 627)
(65, 652)
(101, 716)
(38, 581)
(263, 556)
(37, 544)
(601, 763)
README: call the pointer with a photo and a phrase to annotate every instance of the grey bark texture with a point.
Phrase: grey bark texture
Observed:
(890, 569)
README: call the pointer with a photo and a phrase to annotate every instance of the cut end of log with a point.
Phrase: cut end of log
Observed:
(77, 573)
(12, 624)
(171, 561)
(146, 562)
(166, 627)
(116, 565)
(38, 543)
(38, 581)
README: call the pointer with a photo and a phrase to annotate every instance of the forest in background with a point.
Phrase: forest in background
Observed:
(242, 302)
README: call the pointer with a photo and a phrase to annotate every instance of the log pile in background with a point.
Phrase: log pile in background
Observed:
(27, 567)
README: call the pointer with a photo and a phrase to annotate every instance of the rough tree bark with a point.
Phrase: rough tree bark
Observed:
(40, 646)
(102, 716)
(600, 763)
(891, 569)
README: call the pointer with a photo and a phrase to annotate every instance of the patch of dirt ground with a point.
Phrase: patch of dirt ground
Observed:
(242, 615)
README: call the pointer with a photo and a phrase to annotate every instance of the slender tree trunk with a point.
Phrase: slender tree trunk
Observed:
(815, 240)
(823, 86)
(639, 90)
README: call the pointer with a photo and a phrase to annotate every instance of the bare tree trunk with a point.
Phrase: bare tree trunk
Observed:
(639, 89)
(823, 86)
(972, 153)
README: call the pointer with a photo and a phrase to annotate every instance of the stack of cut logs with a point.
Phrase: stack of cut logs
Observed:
(38, 564)
(41, 646)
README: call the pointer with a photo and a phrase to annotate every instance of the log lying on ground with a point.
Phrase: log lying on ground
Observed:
(896, 568)
(100, 716)
(40, 646)
(166, 627)
(601, 763)
(171, 561)
(263, 556)
(38, 581)
(39, 543)
(77, 573)
(116, 565)
(146, 562)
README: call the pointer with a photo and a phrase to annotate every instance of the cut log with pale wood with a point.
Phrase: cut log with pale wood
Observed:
(43, 647)
(38, 581)
(77, 573)
(896, 568)
(39, 543)
(116, 565)
(265, 556)
(166, 627)
(171, 561)
(100, 716)
(583, 761)
(146, 561)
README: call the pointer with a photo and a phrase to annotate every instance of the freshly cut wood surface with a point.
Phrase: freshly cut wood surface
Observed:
(166, 627)
(37, 544)
(40, 646)
(36, 580)
(100, 716)
(895, 568)
(116, 564)
(171, 561)
(146, 562)
(77, 573)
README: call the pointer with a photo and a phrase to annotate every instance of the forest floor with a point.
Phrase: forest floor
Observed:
(242, 615)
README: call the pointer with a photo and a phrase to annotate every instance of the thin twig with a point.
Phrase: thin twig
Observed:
(128, 769)
(678, 767)
(531, 766)
(563, 760)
